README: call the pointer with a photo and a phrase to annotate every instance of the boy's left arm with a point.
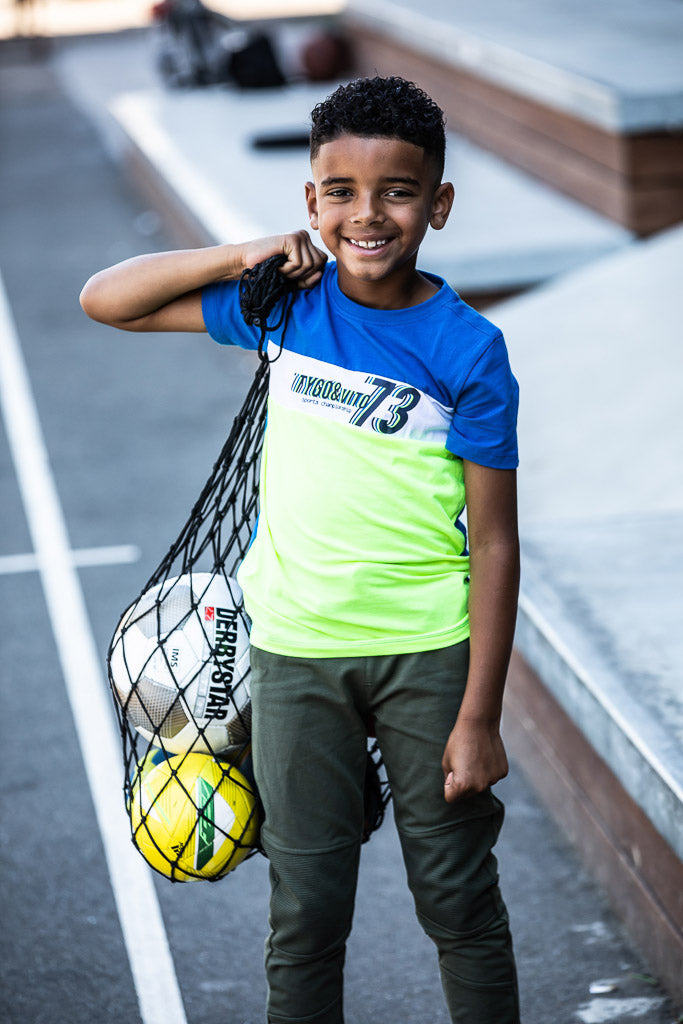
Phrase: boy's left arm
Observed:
(474, 757)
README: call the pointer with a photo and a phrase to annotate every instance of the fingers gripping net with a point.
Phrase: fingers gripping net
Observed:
(178, 662)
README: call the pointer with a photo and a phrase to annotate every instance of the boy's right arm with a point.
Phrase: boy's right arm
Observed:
(162, 291)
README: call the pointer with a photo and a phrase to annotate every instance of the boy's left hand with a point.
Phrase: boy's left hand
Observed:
(473, 760)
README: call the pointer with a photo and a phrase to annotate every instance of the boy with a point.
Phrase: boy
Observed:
(390, 402)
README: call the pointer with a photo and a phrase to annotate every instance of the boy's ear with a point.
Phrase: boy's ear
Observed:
(312, 205)
(442, 203)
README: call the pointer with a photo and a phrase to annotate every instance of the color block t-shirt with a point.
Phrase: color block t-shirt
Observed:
(359, 547)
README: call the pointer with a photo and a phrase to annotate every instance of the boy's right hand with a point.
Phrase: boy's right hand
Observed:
(305, 262)
(162, 291)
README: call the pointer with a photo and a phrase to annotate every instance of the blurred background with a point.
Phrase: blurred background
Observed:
(128, 127)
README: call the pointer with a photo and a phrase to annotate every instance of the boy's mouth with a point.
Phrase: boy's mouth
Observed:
(369, 243)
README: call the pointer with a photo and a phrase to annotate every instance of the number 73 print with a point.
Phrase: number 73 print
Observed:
(406, 399)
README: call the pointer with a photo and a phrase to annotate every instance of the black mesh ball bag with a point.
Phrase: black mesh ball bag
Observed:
(178, 662)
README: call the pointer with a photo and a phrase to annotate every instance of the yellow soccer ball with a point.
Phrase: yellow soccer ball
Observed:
(193, 817)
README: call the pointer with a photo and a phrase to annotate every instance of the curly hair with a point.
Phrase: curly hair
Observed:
(387, 107)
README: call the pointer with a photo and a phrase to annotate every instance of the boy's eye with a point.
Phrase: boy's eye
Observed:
(337, 192)
(399, 193)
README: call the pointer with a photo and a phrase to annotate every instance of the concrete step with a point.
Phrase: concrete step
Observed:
(600, 367)
(588, 97)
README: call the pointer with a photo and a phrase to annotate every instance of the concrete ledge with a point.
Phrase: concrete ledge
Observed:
(608, 769)
(596, 712)
(616, 841)
(613, 66)
(632, 743)
(591, 104)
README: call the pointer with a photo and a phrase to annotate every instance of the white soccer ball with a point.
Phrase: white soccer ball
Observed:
(179, 665)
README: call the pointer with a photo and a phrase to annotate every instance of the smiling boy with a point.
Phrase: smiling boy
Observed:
(391, 406)
(372, 201)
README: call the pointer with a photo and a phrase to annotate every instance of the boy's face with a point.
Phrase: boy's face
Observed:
(372, 199)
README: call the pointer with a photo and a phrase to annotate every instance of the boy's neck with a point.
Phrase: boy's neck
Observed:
(401, 291)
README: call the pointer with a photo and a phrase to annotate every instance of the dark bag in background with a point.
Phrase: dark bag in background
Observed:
(255, 65)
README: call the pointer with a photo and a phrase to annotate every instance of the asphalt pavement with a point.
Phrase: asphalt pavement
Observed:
(132, 425)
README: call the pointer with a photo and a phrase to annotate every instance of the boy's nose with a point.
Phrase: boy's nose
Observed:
(367, 210)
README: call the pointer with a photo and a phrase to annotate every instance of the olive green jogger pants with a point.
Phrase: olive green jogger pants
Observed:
(310, 725)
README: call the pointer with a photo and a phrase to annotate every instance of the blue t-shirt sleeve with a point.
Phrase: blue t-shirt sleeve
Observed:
(484, 424)
(222, 317)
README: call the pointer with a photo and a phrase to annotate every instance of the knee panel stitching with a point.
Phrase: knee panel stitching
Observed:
(433, 929)
(311, 851)
(436, 830)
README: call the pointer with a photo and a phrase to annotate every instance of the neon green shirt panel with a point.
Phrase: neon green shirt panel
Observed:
(357, 549)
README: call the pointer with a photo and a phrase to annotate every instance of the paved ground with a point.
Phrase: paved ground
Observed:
(132, 425)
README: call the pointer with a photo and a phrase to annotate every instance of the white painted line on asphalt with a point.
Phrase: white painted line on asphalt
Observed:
(136, 900)
(122, 554)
